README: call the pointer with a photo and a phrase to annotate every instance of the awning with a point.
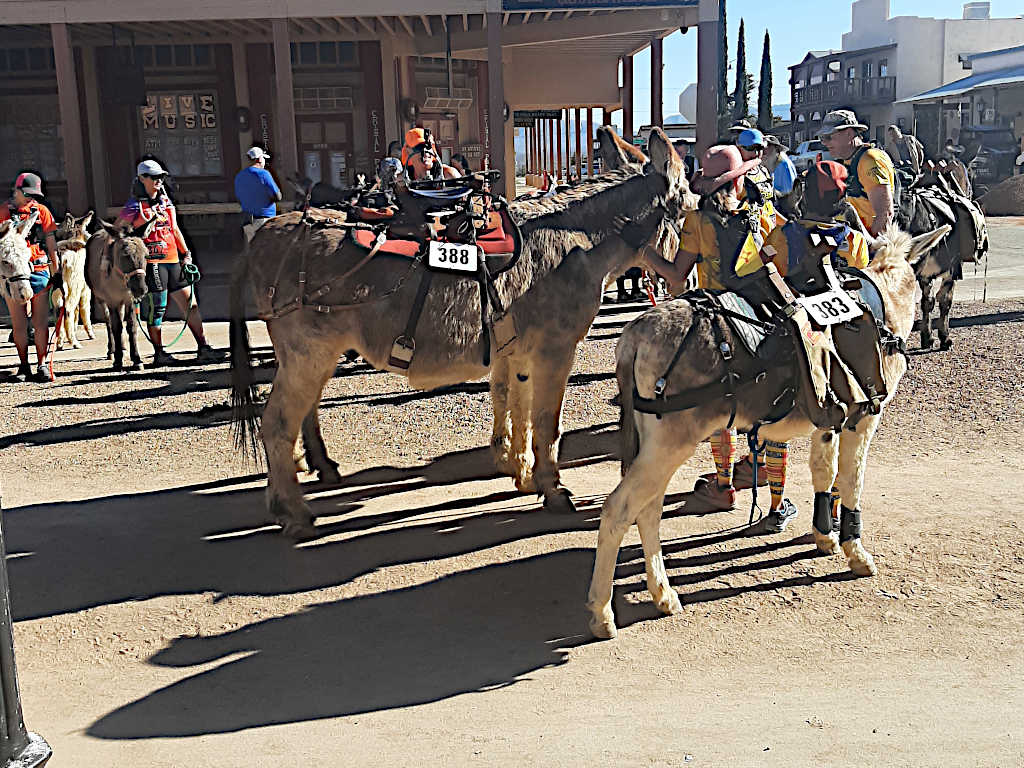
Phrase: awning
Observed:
(1006, 76)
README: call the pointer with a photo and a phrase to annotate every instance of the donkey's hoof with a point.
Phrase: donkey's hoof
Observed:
(299, 531)
(926, 342)
(859, 559)
(90, 335)
(76, 344)
(864, 567)
(117, 366)
(827, 544)
(328, 476)
(669, 604)
(138, 366)
(602, 626)
(945, 344)
(559, 502)
(526, 484)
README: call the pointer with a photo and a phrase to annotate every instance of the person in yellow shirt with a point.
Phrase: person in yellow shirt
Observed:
(723, 240)
(871, 180)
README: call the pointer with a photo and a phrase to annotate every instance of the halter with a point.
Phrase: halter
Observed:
(126, 276)
(18, 278)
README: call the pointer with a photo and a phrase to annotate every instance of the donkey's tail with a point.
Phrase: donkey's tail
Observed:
(245, 413)
(625, 361)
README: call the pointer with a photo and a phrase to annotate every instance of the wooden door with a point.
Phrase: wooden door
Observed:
(325, 148)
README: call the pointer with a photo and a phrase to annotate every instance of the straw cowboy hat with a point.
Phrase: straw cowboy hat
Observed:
(721, 164)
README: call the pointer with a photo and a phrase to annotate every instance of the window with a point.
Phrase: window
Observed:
(173, 56)
(801, 119)
(183, 130)
(329, 54)
(30, 136)
(31, 59)
(883, 68)
(866, 69)
(851, 73)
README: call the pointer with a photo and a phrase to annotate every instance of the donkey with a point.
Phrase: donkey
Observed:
(115, 270)
(72, 235)
(943, 264)
(553, 292)
(15, 258)
(653, 448)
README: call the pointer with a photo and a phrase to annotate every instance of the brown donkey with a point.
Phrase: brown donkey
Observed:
(553, 293)
(115, 270)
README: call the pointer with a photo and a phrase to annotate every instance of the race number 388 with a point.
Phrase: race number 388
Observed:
(830, 308)
(452, 257)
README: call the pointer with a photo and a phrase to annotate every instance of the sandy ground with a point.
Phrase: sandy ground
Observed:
(439, 618)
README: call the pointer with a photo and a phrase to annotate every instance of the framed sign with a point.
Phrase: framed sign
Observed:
(183, 130)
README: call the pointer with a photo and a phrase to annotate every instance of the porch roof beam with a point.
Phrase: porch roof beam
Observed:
(653, 22)
(408, 27)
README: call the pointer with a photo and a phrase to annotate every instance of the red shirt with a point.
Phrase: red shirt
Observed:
(163, 248)
(40, 260)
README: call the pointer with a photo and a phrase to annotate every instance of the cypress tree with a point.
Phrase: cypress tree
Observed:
(723, 74)
(764, 88)
(740, 103)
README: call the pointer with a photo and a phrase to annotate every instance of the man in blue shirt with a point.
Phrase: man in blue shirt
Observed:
(782, 168)
(257, 192)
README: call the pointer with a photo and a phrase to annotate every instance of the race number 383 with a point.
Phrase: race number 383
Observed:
(830, 308)
(452, 257)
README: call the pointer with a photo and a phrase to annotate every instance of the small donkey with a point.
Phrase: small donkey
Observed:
(72, 235)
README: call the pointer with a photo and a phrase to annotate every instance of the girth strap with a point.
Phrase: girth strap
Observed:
(692, 398)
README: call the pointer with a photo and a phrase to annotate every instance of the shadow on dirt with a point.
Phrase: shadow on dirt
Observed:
(474, 631)
(212, 537)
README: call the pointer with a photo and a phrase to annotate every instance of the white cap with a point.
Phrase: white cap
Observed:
(255, 153)
(150, 168)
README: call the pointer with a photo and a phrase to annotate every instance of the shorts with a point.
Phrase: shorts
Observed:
(164, 276)
(162, 279)
(39, 281)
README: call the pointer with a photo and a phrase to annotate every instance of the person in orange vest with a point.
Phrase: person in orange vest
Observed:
(28, 191)
(420, 158)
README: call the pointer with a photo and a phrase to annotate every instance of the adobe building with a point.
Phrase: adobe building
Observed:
(91, 86)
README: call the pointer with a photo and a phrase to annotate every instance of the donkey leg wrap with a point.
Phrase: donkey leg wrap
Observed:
(849, 525)
(824, 523)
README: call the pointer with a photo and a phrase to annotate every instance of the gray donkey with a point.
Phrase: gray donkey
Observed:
(115, 271)
(653, 447)
(553, 293)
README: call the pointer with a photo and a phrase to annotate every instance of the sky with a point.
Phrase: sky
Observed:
(795, 27)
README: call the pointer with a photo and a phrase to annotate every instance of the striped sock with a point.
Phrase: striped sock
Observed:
(723, 448)
(776, 457)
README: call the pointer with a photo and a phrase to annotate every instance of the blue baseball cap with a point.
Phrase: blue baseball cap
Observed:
(751, 137)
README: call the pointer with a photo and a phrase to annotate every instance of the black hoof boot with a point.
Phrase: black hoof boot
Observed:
(559, 502)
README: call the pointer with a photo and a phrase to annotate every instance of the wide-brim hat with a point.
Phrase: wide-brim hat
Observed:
(721, 164)
(837, 120)
(29, 184)
(741, 125)
(775, 142)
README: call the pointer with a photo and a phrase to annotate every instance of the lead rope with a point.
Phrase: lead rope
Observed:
(755, 449)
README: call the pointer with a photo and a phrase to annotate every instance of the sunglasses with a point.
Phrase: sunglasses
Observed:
(154, 177)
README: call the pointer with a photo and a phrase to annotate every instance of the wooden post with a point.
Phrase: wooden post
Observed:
(579, 146)
(627, 98)
(100, 186)
(709, 51)
(496, 101)
(568, 146)
(241, 70)
(551, 147)
(70, 118)
(558, 146)
(590, 142)
(657, 69)
(286, 160)
(606, 116)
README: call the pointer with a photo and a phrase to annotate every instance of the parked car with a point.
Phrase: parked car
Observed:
(989, 152)
(807, 152)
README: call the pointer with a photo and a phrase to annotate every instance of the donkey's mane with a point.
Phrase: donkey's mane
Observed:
(527, 212)
(892, 252)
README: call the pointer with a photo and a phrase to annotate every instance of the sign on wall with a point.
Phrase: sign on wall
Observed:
(525, 118)
(183, 131)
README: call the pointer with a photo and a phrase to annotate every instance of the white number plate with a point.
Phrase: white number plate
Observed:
(830, 308)
(452, 257)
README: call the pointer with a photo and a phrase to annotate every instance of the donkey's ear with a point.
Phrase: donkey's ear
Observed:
(615, 152)
(5, 227)
(111, 229)
(69, 220)
(921, 244)
(85, 221)
(663, 156)
(144, 231)
(25, 225)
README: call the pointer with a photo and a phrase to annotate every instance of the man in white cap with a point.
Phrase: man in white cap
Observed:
(257, 192)
(871, 180)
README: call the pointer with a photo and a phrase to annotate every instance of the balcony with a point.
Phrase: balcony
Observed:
(861, 90)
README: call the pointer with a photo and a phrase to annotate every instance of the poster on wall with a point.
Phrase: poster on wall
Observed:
(181, 129)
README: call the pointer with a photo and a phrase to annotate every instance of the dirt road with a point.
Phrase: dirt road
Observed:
(439, 619)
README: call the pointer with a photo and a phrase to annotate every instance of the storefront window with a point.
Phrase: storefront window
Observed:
(30, 137)
(182, 129)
